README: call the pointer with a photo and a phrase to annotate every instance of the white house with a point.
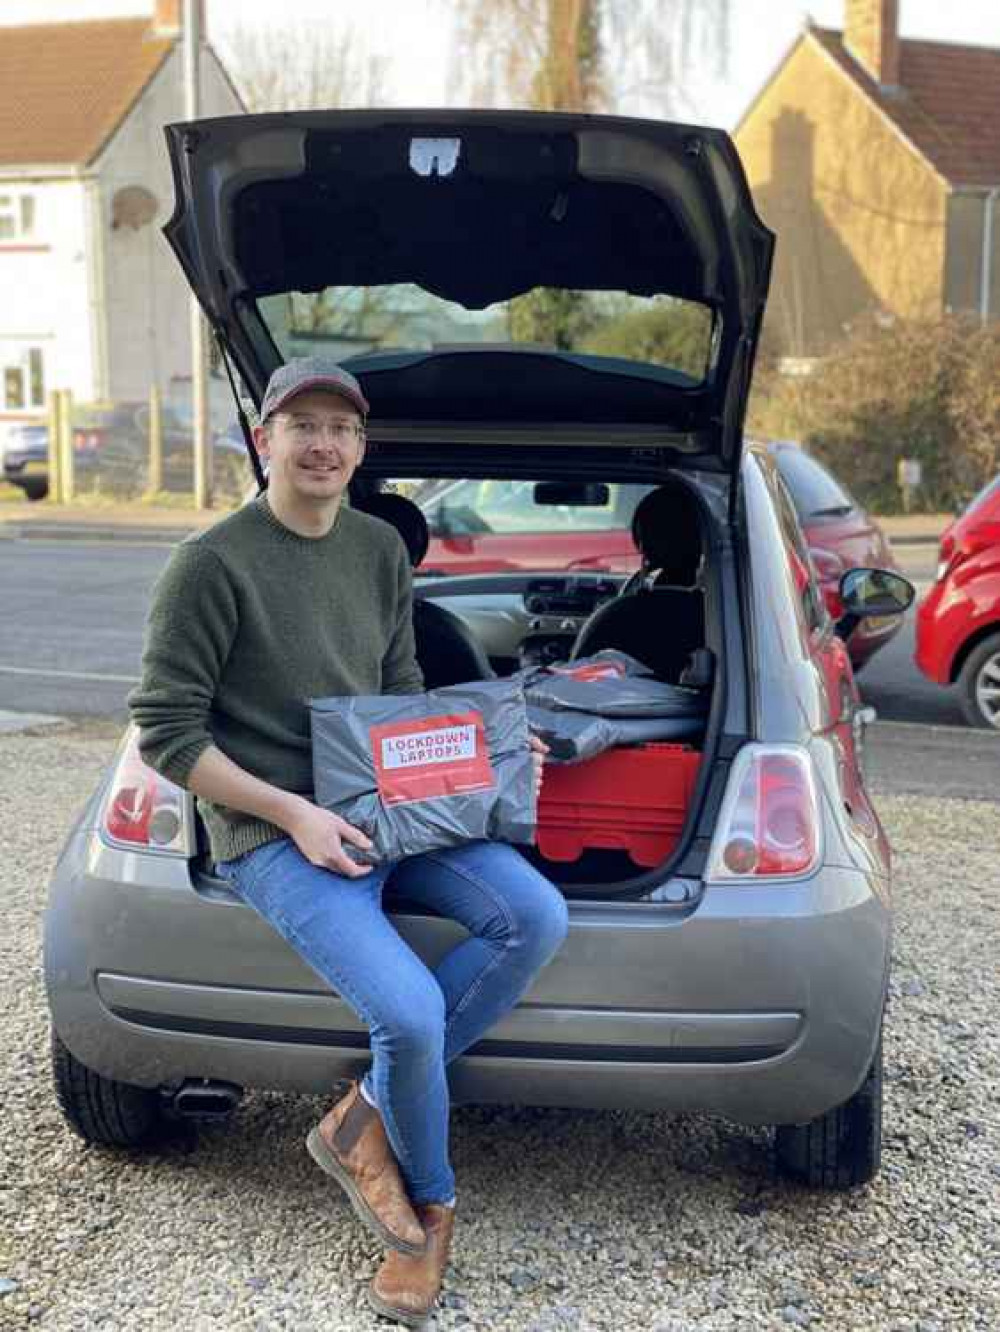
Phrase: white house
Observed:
(91, 297)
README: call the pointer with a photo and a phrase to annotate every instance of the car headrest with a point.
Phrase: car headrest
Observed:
(402, 514)
(667, 533)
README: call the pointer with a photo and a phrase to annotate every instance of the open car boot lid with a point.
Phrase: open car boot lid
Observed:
(478, 208)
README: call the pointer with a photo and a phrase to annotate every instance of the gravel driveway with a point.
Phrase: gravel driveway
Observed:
(567, 1219)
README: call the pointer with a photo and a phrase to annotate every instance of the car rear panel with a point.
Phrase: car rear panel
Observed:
(155, 976)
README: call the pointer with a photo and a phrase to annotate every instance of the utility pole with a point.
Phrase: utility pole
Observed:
(199, 338)
(986, 267)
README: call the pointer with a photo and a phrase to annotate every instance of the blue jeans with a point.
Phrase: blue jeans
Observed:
(418, 1019)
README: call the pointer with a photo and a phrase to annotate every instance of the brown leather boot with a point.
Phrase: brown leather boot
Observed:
(350, 1144)
(407, 1288)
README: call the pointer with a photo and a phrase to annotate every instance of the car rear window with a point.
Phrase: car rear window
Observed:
(663, 331)
(814, 491)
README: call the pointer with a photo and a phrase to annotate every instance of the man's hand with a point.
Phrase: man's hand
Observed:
(538, 751)
(320, 836)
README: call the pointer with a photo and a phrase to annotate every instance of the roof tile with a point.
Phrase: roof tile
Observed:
(68, 86)
(948, 103)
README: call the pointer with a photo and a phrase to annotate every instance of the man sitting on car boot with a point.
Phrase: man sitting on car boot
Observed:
(295, 596)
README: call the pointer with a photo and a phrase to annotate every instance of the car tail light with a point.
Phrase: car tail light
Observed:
(829, 567)
(143, 810)
(828, 564)
(769, 825)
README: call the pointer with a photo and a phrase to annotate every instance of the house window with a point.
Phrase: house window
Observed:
(17, 216)
(13, 387)
(23, 380)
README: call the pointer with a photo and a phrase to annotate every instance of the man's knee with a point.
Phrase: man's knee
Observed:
(535, 916)
(414, 1026)
(548, 922)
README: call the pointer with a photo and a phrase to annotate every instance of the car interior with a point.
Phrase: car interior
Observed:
(490, 624)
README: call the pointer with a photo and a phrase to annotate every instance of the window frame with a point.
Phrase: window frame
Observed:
(26, 362)
(19, 208)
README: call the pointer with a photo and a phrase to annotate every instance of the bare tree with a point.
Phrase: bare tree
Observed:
(623, 56)
(302, 68)
(529, 53)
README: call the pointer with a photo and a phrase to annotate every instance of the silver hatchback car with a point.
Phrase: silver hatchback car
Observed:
(741, 969)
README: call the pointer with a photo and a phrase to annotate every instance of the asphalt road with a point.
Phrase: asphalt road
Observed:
(71, 617)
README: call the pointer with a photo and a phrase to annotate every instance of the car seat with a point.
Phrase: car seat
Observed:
(659, 617)
(447, 650)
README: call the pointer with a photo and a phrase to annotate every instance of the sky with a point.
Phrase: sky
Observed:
(414, 36)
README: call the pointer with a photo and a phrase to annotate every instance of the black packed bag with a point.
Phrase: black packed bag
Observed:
(418, 772)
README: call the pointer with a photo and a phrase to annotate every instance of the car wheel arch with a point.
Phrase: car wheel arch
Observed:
(969, 645)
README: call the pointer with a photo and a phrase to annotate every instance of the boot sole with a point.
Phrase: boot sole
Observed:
(405, 1316)
(329, 1164)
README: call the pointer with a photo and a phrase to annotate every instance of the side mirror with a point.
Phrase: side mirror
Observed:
(865, 592)
(875, 592)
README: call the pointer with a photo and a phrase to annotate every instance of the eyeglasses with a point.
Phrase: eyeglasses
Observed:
(307, 430)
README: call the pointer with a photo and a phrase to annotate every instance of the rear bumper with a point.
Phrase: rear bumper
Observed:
(762, 1005)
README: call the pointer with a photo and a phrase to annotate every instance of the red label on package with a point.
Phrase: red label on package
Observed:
(432, 756)
(595, 670)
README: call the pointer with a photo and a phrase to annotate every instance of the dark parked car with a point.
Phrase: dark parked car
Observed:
(841, 535)
(111, 453)
(729, 936)
(26, 458)
(958, 620)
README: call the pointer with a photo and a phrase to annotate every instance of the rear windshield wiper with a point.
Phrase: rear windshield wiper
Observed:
(832, 511)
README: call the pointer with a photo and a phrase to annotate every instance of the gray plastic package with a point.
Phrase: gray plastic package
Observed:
(418, 772)
(583, 707)
(574, 736)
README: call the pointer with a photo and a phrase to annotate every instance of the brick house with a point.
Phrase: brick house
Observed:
(93, 299)
(877, 162)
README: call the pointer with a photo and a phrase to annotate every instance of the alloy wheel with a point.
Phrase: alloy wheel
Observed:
(988, 690)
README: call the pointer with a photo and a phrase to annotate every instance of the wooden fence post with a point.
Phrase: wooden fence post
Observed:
(55, 449)
(155, 483)
(66, 445)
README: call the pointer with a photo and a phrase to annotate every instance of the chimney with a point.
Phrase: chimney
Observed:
(871, 34)
(168, 18)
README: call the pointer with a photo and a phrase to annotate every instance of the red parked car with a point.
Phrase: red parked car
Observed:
(958, 621)
(841, 535)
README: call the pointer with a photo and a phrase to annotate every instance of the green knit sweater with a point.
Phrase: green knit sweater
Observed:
(248, 622)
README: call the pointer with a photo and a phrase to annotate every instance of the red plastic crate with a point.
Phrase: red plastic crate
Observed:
(633, 800)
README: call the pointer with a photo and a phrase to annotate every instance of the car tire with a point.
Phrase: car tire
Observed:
(843, 1148)
(100, 1110)
(35, 490)
(981, 669)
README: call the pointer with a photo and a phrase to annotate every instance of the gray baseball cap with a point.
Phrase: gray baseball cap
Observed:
(310, 372)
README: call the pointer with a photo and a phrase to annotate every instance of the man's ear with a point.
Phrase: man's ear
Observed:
(261, 442)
